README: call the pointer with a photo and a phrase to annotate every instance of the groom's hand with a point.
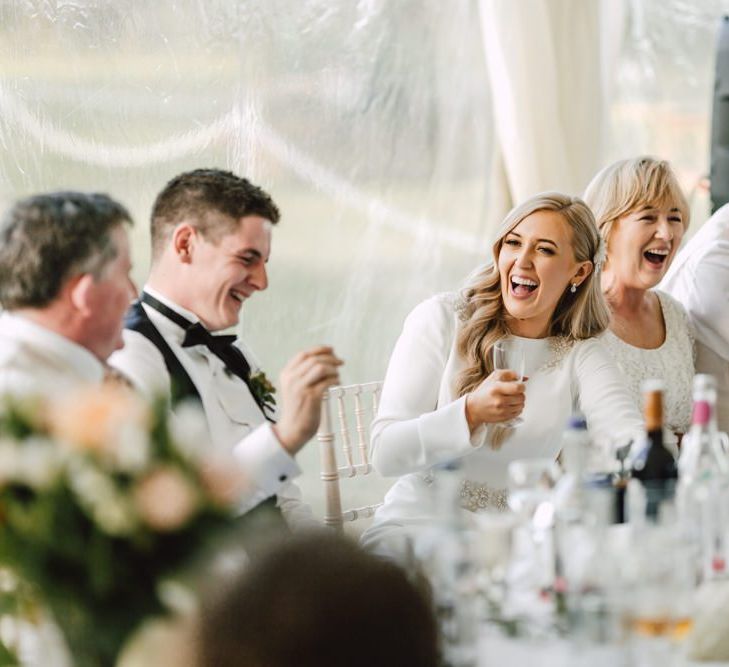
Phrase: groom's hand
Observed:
(303, 383)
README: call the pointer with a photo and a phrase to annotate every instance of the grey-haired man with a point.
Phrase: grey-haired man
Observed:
(64, 287)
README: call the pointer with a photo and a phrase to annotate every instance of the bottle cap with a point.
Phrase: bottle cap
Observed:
(704, 381)
(577, 422)
(652, 384)
(449, 466)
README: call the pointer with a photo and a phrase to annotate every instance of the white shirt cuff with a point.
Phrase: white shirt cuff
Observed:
(266, 463)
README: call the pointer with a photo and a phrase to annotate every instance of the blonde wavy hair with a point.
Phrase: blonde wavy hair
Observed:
(627, 185)
(577, 316)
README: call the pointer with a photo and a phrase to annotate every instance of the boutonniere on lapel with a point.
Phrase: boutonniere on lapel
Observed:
(262, 389)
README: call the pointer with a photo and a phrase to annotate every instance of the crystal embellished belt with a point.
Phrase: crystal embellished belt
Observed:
(476, 496)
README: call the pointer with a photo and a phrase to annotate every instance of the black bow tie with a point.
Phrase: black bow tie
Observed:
(196, 334)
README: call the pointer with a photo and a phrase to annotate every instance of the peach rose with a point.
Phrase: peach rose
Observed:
(93, 417)
(165, 499)
(224, 481)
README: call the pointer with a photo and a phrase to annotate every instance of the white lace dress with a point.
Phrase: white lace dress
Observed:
(672, 362)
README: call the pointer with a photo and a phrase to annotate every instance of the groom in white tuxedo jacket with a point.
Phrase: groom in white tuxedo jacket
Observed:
(64, 288)
(211, 239)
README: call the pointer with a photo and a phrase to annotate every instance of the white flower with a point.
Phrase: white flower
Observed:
(189, 430)
(38, 463)
(131, 449)
(115, 517)
(96, 493)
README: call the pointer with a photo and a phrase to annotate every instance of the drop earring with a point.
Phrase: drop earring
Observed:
(573, 289)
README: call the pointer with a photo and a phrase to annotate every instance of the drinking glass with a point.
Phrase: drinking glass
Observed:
(659, 603)
(494, 531)
(508, 354)
(530, 483)
(530, 486)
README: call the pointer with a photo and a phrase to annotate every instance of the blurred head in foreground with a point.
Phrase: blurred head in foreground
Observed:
(318, 601)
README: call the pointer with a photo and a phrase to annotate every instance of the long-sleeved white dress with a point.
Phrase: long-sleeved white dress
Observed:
(421, 423)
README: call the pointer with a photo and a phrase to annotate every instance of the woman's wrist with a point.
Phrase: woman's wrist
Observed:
(471, 419)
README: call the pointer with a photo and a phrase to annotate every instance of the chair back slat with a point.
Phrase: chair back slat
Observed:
(362, 439)
(344, 432)
(360, 512)
(350, 400)
(376, 398)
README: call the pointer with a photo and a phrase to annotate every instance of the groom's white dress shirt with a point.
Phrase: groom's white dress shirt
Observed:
(699, 279)
(233, 417)
(34, 359)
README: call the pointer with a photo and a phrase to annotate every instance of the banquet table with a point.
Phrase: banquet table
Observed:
(497, 650)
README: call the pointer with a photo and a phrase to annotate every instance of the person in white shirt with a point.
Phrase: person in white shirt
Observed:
(211, 239)
(699, 280)
(64, 288)
(442, 400)
(642, 214)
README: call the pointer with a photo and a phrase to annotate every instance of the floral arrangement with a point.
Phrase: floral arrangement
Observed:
(104, 499)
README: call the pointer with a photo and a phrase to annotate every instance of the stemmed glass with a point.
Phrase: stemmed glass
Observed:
(508, 354)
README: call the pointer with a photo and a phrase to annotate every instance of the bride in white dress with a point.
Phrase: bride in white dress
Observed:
(442, 399)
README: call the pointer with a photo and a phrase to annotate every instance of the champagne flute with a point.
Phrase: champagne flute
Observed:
(508, 354)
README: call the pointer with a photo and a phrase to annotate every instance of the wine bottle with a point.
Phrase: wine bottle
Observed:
(656, 466)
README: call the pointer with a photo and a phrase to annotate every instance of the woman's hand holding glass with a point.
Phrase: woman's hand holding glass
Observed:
(499, 398)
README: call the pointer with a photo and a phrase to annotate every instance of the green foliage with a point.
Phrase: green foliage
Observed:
(7, 657)
(262, 389)
(99, 581)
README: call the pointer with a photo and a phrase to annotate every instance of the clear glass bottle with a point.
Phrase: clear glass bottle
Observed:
(704, 482)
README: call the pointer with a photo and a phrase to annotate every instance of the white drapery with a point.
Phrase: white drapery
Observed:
(549, 64)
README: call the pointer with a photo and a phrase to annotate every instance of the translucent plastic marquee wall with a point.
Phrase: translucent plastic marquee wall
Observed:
(662, 88)
(368, 120)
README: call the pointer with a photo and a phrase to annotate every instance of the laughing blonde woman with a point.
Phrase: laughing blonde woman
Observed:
(642, 215)
(442, 399)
